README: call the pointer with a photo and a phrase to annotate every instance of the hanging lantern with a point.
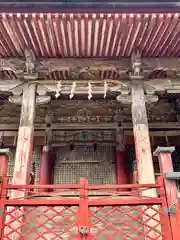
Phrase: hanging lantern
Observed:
(58, 90)
(89, 90)
(72, 90)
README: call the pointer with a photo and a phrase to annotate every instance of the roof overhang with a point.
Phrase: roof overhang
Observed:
(90, 6)
(90, 35)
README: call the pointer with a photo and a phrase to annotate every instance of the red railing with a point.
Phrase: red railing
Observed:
(81, 211)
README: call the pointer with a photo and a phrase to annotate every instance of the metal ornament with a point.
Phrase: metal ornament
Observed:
(89, 90)
(58, 90)
(72, 90)
(105, 89)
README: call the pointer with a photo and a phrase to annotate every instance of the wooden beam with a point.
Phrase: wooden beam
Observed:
(9, 85)
(100, 64)
(65, 64)
(151, 87)
(62, 126)
(104, 126)
(157, 133)
(155, 125)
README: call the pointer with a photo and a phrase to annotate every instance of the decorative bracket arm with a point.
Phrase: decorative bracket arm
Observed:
(127, 99)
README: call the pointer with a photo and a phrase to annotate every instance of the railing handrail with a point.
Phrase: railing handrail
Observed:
(80, 186)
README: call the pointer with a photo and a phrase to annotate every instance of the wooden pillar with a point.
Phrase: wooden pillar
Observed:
(141, 136)
(122, 173)
(143, 154)
(46, 167)
(166, 166)
(23, 158)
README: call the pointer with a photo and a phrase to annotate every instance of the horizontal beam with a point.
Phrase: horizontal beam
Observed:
(157, 133)
(90, 64)
(152, 86)
(169, 125)
(123, 64)
(11, 130)
(63, 126)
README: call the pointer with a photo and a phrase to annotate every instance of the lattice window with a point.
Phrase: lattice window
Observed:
(97, 166)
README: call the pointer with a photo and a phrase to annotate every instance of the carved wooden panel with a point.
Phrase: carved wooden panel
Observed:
(84, 136)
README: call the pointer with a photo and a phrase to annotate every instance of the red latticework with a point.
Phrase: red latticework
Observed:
(41, 222)
(84, 214)
(126, 222)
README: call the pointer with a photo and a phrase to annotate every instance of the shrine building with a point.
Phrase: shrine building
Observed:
(89, 90)
(75, 82)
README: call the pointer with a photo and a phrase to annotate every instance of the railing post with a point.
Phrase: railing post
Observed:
(163, 217)
(166, 166)
(83, 210)
(4, 156)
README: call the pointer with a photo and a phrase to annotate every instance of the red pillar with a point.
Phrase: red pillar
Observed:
(166, 166)
(46, 167)
(4, 155)
(122, 173)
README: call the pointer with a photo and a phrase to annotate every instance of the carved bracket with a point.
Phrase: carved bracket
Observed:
(39, 100)
(89, 69)
(127, 99)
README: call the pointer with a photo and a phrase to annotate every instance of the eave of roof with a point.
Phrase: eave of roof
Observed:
(89, 35)
(89, 6)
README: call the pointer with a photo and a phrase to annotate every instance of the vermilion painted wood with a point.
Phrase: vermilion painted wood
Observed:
(3, 165)
(165, 164)
(89, 208)
(79, 186)
(46, 168)
(163, 218)
(122, 173)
